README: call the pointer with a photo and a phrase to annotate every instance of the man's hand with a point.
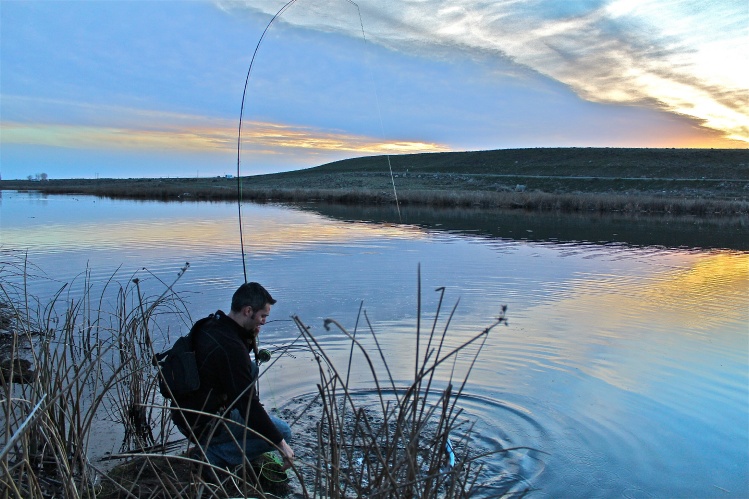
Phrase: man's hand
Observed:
(287, 453)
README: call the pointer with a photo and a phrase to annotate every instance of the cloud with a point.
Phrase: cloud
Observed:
(139, 130)
(685, 57)
(299, 137)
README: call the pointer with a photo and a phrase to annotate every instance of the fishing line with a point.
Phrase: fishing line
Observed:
(241, 116)
(379, 110)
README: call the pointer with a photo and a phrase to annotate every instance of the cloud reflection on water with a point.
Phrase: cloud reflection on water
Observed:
(267, 229)
(628, 329)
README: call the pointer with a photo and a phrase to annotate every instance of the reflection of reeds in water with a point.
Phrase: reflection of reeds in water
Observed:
(90, 363)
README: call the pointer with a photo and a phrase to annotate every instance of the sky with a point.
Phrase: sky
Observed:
(151, 88)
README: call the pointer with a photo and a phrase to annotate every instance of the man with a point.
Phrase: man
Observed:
(222, 346)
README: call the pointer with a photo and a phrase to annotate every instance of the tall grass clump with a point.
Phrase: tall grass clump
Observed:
(80, 362)
(404, 445)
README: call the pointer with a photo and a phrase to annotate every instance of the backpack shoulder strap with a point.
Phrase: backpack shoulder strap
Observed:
(199, 325)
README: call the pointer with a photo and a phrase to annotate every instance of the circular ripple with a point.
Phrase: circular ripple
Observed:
(505, 464)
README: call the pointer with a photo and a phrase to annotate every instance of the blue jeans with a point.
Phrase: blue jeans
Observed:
(223, 451)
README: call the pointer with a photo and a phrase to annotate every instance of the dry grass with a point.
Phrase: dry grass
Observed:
(708, 204)
(401, 451)
(87, 362)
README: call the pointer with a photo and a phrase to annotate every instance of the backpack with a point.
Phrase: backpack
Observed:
(178, 368)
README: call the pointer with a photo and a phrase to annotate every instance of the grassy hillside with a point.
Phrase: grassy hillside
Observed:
(681, 173)
(561, 179)
(586, 162)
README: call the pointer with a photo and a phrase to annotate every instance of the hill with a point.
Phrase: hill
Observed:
(585, 162)
(682, 173)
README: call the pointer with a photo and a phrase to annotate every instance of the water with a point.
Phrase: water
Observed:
(624, 367)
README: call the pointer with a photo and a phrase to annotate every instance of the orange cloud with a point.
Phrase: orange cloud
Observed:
(192, 135)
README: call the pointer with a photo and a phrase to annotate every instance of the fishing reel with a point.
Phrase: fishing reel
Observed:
(263, 356)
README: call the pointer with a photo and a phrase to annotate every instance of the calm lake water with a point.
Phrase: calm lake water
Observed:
(625, 364)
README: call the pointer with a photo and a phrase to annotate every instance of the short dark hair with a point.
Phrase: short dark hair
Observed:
(252, 294)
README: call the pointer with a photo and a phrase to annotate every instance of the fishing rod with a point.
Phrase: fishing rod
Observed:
(239, 132)
(239, 154)
(278, 14)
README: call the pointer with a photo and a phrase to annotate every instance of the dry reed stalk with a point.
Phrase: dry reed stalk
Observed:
(403, 454)
(80, 364)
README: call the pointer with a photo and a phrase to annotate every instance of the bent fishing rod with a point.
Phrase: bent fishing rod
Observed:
(277, 15)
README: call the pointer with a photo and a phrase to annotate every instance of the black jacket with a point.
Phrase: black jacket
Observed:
(222, 351)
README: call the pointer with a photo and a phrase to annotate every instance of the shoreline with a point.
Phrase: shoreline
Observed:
(692, 182)
(171, 190)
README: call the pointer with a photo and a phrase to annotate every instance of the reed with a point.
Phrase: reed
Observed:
(87, 364)
(47, 420)
(92, 359)
(685, 201)
(401, 451)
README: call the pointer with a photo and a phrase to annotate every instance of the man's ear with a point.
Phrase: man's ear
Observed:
(247, 311)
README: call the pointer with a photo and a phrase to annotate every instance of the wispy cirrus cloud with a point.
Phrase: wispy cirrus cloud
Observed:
(686, 57)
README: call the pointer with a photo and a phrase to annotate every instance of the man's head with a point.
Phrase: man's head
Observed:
(252, 294)
(250, 306)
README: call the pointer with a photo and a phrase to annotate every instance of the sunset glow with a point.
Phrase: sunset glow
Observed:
(258, 135)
